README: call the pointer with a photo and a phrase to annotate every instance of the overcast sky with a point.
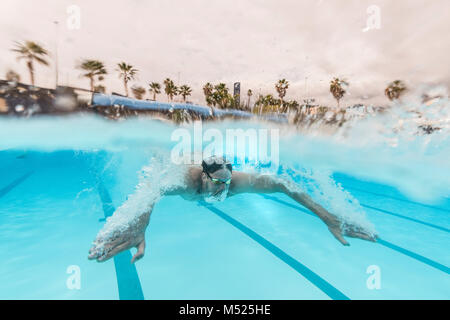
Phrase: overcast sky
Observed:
(255, 42)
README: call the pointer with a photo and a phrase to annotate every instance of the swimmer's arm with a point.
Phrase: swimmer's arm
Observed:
(125, 229)
(254, 183)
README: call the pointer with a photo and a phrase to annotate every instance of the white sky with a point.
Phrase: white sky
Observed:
(255, 42)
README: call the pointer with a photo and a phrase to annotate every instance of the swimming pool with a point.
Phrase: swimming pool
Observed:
(252, 246)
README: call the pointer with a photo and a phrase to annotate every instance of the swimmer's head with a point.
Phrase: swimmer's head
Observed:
(216, 178)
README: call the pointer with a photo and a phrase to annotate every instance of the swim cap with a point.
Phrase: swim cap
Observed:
(214, 163)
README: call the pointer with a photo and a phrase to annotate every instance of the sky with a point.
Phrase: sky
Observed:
(255, 42)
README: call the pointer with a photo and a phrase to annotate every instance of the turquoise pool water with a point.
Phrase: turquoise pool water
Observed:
(52, 204)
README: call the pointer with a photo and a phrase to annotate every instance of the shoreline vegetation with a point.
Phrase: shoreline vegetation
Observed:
(19, 99)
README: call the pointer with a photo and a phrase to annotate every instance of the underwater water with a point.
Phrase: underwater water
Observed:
(60, 179)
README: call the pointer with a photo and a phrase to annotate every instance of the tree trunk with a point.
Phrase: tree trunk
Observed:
(31, 70)
(154, 96)
(91, 80)
(125, 86)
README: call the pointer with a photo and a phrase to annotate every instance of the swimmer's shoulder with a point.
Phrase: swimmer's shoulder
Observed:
(192, 178)
(240, 181)
(193, 171)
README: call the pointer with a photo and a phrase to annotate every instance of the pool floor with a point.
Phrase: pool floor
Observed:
(248, 247)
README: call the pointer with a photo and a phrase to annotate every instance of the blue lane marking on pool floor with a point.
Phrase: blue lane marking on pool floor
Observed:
(398, 199)
(127, 277)
(414, 255)
(15, 183)
(406, 218)
(287, 204)
(363, 205)
(314, 278)
(387, 244)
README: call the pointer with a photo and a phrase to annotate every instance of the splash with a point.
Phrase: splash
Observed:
(321, 187)
(406, 145)
(155, 179)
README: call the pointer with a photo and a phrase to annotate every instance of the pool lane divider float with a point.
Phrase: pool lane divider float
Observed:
(310, 275)
(14, 184)
(100, 99)
(380, 241)
(128, 281)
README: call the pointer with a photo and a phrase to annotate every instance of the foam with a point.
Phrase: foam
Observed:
(156, 178)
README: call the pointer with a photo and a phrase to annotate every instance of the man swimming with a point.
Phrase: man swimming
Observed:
(213, 181)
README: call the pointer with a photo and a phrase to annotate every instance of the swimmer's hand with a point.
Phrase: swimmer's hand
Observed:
(339, 229)
(132, 236)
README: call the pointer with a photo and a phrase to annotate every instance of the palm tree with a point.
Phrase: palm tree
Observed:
(222, 96)
(11, 75)
(281, 86)
(249, 95)
(100, 89)
(337, 88)
(208, 91)
(127, 72)
(170, 89)
(180, 115)
(31, 51)
(93, 68)
(138, 92)
(185, 91)
(292, 105)
(155, 88)
(267, 103)
(395, 89)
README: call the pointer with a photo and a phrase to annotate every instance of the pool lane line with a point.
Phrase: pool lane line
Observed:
(398, 199)
(127, 277)
(21, 156)
(414, 255)
(387, 244)
(406, 218)
(307, 273)
(363, 205)
(15, 183)
(287, 204)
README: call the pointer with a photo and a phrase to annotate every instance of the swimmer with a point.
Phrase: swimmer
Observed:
(214, 181)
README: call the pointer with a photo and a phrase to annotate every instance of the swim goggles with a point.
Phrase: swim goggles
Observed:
(218, 181)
